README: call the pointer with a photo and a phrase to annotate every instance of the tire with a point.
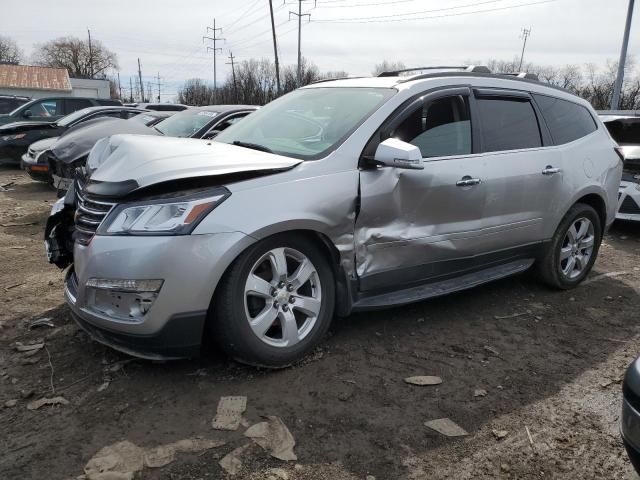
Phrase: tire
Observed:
(554, 267)
(243, 305)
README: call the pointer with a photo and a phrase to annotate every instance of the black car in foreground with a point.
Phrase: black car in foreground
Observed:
(81, 138)
(15, 138)
(630, 423)
(71, 151)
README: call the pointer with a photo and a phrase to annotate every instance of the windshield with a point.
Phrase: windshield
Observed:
(309, 122)
(625, 131)
(185, 123)
(72, 117)
(144, 118)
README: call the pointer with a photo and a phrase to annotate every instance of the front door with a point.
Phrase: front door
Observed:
(417, 225)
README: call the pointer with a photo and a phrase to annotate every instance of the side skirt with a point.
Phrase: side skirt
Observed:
(442, 287)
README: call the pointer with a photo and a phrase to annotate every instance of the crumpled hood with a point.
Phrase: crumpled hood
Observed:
(135, 161)
(78, 142)
(43, 144)
(631, 152)
(14, 127)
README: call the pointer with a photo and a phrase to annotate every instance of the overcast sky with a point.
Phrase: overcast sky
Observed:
(350, 35)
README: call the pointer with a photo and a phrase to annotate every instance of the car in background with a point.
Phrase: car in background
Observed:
(36, 162)
(630, 419)
(199, 122)
(8, 103)
(160, 107)
(15, 138)
(624, 127)
(52, 108)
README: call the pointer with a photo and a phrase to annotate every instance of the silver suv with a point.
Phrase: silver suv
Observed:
(344, 195)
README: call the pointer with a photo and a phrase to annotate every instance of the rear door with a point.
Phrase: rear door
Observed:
(415, 225)
(524, 176)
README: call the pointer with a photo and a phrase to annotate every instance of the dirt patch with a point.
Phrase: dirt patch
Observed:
(547, 362)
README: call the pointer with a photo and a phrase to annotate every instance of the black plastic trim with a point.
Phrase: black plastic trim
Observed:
(181, 337)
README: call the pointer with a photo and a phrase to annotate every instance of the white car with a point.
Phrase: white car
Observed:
(624, 127)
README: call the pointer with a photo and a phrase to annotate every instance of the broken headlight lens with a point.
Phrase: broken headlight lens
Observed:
(162, 217)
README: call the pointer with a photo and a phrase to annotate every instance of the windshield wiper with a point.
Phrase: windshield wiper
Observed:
(158, 130)
(254, 146)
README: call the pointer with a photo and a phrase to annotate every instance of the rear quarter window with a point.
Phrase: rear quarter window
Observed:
(566, 120)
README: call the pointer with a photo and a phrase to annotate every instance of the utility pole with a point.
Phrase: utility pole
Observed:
(149, 92)
(130, 91)
(300, 15)
(140, 79)
(90, 55)
(215, 49)
(275, 48)
(525, 34)
(233, 72)
(617, 88)
(158, 87)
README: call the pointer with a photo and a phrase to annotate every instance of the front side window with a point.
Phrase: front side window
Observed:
(46, 108)
(309, 122)
(508, 124)
(566, 120)
(440, 128)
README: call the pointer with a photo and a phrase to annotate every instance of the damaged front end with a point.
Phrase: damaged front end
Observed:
(59, 231)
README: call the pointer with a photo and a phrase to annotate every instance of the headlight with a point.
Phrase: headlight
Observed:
(162, 217)
(18, 136)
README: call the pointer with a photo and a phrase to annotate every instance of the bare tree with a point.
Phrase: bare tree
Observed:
(9, 51)
(74, 55)
(195, 92)
(387, 66)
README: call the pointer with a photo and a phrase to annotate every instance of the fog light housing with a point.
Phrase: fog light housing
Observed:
(122, 299)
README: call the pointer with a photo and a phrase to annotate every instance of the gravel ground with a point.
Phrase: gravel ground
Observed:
(550, 362)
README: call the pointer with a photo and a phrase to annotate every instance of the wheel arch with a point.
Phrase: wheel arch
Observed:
(596, 201)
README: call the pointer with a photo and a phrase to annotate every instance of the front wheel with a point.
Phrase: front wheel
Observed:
(569, 257)
(275, 303)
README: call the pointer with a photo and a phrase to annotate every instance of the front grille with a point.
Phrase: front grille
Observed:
(90, 213)
(629, 206)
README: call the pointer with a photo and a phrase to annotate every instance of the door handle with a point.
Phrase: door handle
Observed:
(467, 181)
(550, 170)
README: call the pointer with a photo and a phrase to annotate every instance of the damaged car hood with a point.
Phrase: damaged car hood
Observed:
(78, 142)
(121, 164)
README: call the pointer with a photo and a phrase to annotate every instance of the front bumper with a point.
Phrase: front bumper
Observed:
(37, 171)
(191, 267)
(630, 420)
(628, 201)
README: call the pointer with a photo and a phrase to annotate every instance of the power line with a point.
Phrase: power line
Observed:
(215, 49)
(391, 18)
(525, 34)
(300, 15)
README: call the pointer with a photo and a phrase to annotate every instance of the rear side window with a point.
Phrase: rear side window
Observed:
(508, 124)
(439, 129)
(74, 104)
(567, 121)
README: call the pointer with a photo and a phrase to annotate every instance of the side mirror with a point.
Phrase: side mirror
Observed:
(396, 153)
(27, 114)
(211, 134)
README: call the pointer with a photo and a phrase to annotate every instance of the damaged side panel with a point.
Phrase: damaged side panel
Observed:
(412, 218)
(58, 234)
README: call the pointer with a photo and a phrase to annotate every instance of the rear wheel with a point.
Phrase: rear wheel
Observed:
(275, 303)
(569, 257)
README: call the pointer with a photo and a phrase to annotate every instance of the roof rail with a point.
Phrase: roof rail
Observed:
(465, 68)
(322, 80)
(528, 76)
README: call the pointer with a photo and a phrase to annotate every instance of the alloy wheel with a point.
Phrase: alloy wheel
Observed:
(282, 297)
(577, 248)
